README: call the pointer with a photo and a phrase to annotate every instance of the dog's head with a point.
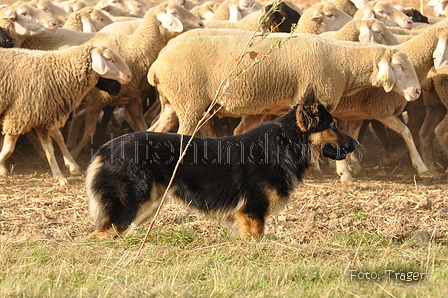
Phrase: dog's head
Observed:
(318, 124)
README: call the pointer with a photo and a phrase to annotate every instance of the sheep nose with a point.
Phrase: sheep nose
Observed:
(201, 24)
(52, 26)
(418, 91)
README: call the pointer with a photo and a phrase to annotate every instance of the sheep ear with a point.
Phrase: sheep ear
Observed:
(439, 54)
(98, 62)
(235, 14)
(385, 76)
(317, 16)
(170, 22)
(365, 34)
(102, 6)
(9, 14)
(87, 25)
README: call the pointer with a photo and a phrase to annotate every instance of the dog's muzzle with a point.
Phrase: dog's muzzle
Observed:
(338, 151)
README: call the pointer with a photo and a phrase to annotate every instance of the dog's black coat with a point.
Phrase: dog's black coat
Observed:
(215, 174)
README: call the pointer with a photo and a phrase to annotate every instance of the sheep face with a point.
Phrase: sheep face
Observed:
(54, 11)
(29, 21)
(375, 31)
(112, 10)
(110, 65)
(385, 12)
(72, 5)
(134, 7)
(327, 15)
(178, 19)
(206, 10)
(99, 19)
(396, 73)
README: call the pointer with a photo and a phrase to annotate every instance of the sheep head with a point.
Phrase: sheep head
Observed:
(324, 16)
(396, 73)
(373, 30)
(110, 65)
(175, 18)
(28, 20)
(385, 12)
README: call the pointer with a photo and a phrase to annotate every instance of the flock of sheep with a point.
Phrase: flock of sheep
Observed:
(367, 59)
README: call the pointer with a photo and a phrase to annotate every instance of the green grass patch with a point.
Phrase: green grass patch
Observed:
(181, 262)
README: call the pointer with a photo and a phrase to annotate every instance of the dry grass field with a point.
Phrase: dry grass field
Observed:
(328, 236)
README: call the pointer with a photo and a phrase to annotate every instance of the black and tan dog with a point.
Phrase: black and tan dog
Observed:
(243, 179)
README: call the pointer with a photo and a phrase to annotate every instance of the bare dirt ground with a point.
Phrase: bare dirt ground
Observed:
(386, 200)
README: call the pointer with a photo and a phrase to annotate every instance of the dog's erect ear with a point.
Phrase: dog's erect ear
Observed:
(309, 98)
(307, 112)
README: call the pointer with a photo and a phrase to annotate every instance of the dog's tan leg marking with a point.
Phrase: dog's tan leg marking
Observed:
(249, 226)
(102, 234)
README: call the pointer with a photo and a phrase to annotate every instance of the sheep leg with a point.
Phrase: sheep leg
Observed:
(78, 116)
(47, 145)
(152, 113)
(135, 112)
(92, 114)
(352, 128)
(167, 120)
(9, 143)
(441, 132)
(396, 125)
(69, 161)
(247, 122)
(426, 134)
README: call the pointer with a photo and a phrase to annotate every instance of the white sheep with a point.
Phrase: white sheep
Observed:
(58, 81)
(22, 21)
(319, 18)
(139, 50)
(235, 10)
(365, 31)
(71, 6)
(435, 124)
(112, 11)
(131, 8)
(205, 11)
(385, 12)
(87, 19)
(322, 17)
(188, 79)
(439, 7)
(375, 104)
(54, 11)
